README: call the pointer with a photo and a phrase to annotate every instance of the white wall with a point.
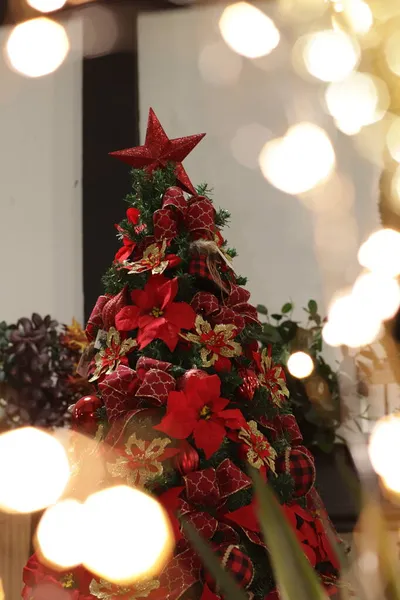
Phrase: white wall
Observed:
(286, 250)
(40, 189)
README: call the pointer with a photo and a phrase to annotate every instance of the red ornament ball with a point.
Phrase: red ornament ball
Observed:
(250, 383)
(298, 462)
(236, 562)
(187, 460)
(83, 414)
(189, 376)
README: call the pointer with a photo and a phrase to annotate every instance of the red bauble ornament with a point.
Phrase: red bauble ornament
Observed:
(250, 383)
(83, 414)
(236, 562)
(187, 460)
(189, 375)
(298, 462)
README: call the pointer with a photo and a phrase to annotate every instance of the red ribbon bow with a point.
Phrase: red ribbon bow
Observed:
(123, 390)
(197, 214)
(283, 426)
(103, 313)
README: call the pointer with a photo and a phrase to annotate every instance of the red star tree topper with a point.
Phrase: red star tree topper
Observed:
(159, 150)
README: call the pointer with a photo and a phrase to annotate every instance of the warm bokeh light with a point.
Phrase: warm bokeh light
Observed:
(135, 540)
(384, 449)
(46, 6)
(218, 65)
(34, 470)
(248, 30)
(392, 52)
(300, 365)
(356, 14)
(393, 139)
(358, 100)
(60, 534)
(300, 160)
(381, 294)
(37, 47)
(381, 252)
(248, 142)
(351, 323)
(330, 55)
(301, 10)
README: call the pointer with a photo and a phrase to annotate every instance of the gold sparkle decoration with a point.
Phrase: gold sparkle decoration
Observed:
(152, 260)
(109, 358)
(107, 591)
(68, 581)
(216, 342)
(141, 460)
(259, 451)
(273, 378)
(75, 337)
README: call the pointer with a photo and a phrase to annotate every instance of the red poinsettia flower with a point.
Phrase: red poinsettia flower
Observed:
(154, 259)
(155, 313)
(200, 411)
(132, 214)
(271, 376)
(43, 583)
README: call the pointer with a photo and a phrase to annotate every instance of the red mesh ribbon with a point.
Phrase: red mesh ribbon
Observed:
(283, 425)
(103, 313)
(197, 214)
(234, 309)
(123, 389)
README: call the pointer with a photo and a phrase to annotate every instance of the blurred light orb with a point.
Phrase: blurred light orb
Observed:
(60, 534)
(300, 365)
(384, 448)
(358, 100)
(392, 52)
(351, 323)
(247, 30)
(331, 335)
(381, 252)
(247, 143)
(393, 139)
(302, 10)
(137, 540)
(218, 65)
(379, 292)
(358, 15)
(101, 28)
(46, 6)
(300, 160)
(330, 55)
(37, 47)
(34, 470)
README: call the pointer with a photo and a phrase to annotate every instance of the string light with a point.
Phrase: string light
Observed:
(356, 14)
(248, 30)
(351, 323)
(300, 365)
(384, 448)
(37, 47)
(137, 540)
(381, 252)
(34, 470)
(300, 160)
(380, 293)
(329, 55)
(46, 6)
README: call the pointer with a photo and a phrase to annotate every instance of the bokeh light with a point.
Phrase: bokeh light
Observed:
(358, 100)
(379, 292)
(384, 449)
(34, 470)
(46, 6)
(300, 160)
(218, 65)
(393, 139)
(60, 534)
(248, 142)
(248, 31)
(392, 52)
(351, 323)
(356, 15)
(301, 11)
(37, 47)
(329, 55)
(300, 365)
(136, 540)
(381, 252)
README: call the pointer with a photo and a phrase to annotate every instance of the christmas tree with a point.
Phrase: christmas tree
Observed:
(185, 396)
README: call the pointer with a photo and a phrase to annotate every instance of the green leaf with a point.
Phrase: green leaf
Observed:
(312, 307)
(263, 310)
(286, 308)
(276, 317)
(223, 578)
(270, 334)
(294, 575)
